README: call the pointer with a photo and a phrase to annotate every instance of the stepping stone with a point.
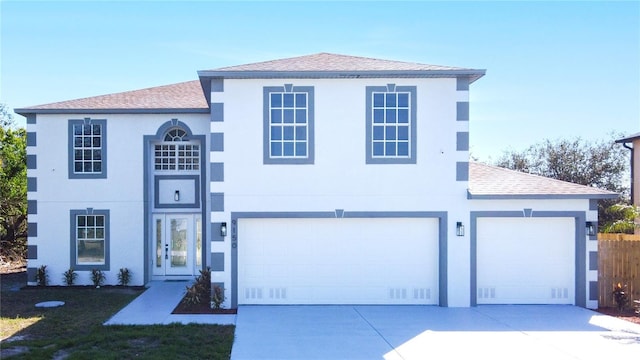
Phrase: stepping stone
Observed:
(49, 304)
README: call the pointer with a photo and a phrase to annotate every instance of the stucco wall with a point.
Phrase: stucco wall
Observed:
(122, 192)
(340, 178)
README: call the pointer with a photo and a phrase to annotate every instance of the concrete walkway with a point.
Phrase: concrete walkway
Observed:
(154, 306)
(431, 332)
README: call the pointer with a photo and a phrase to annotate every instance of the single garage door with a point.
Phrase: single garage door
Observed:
(525, 261)
(338, 261)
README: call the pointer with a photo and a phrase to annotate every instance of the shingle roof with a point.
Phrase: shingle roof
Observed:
(193, 96)
(336, 65)
(182, 97)
(486, 181)
(334, 62)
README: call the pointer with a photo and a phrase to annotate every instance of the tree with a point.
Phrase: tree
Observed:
(13, 189)
(625, 216)
(602, 164)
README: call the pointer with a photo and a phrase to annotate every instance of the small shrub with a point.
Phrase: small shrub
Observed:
(620, 296)
(124, 277)
(217, 298)
(192, 297)
(70, 277)
(42, 278)
(200, 291)
(97, 277)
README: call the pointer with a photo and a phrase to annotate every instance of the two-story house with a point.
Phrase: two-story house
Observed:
(320, 179)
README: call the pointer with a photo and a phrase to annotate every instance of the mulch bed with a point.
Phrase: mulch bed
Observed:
(202, 308)
(627, 314)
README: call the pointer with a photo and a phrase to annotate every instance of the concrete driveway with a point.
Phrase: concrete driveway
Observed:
(423, 332)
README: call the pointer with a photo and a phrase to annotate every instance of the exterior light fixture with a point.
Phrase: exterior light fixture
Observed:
(591, 228)
(223, 229)
(459, 229)
(176, 195)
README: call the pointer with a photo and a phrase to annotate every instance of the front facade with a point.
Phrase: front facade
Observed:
(322, 179)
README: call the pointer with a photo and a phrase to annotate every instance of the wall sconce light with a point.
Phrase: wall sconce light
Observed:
(223, 229)
(459, 229)
(176, 195)
(591, 228)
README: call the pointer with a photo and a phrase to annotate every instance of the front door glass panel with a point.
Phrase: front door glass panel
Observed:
(179, 243)
(159, 244)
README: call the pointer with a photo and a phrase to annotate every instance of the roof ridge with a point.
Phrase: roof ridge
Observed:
(327, 61)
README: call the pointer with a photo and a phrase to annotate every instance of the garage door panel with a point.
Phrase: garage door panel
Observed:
(525, 261)
(338, 261)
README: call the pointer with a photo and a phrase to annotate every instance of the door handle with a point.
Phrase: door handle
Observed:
(166, 251)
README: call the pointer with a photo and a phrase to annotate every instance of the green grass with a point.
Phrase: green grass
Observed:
(75, 330)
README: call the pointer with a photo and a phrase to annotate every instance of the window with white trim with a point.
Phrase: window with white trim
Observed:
(391, 115)
(288, 125)
(175, 153)
(90, 239)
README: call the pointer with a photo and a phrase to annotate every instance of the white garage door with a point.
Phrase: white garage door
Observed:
(338, 261)
(526, 261)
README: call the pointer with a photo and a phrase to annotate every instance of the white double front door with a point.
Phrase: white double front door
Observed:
(177, 244)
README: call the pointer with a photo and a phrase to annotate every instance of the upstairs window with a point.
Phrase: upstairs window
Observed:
(176, 153)
(288, 125)
(391, 119)
(87, 148)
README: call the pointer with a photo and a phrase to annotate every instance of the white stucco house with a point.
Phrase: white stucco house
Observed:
(320, 179)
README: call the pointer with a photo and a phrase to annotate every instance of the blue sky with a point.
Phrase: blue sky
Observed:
(554, 69)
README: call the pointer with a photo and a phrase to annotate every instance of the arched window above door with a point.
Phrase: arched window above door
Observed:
(175, 134)
(176, 152)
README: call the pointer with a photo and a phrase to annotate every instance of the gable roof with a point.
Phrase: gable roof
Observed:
(185, 97)
(492, 182)
(323, 65)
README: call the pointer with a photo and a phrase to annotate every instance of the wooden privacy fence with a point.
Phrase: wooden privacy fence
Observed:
(618, 262)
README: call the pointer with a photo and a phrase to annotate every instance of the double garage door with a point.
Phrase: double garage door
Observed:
(396, 261)
(338, 261)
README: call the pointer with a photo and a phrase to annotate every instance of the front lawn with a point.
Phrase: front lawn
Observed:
(75, 330)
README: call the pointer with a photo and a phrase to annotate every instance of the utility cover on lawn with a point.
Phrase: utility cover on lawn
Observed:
(49, 304)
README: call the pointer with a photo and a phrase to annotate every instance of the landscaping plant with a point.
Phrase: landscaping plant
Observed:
(217, 298)
(200, 291)
(620, 296)
(42, 278)
(97, 276)
(124, 277)
(69, 277)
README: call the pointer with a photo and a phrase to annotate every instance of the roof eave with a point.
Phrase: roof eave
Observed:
(30, 111)
(472, 196)
(630, 138)
(472, 74)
